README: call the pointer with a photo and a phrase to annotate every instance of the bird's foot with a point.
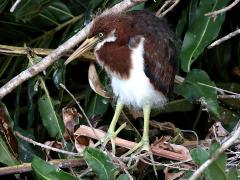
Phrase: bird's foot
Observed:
(110, 136)
(142, 146)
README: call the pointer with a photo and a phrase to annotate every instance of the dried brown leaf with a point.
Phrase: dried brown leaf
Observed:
(54, 144)
(70, 118)
(217, 132)
(81, 142)
(95, 83)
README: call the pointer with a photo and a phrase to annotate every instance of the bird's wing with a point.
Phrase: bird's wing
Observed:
(160, 63)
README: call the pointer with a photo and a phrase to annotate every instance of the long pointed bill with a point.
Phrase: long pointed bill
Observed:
(85, 46)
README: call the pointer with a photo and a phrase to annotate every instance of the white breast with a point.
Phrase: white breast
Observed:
(137, 90)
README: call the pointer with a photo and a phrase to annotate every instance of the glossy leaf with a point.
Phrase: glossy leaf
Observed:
(182, 22)
(193, 5)
(46, 171)
(27, 150)
(123, 177)
(58, 76)
(100, 163)
(97, 106)
(6, 131)
(6, 157)
(50, 118)
(199, 155)
(138, 7)
(217, 170)
(201, 32)
(195, 86)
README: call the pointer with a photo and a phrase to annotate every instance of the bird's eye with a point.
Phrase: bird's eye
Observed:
(100, 35)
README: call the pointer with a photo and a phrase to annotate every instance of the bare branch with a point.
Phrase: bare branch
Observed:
(60, 51)
(161, 13)
(15, 50)
(14, 6)
(26, 167)
(228, 97)
(218, 152)
(225, 38)
(215, 13)
(180, 155)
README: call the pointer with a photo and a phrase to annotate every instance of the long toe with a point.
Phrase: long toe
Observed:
(141, 147)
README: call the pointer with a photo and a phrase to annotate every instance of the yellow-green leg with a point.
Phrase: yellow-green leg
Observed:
(111, 134)
(143, 145)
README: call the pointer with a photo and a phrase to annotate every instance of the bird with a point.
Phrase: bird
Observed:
(138, 51)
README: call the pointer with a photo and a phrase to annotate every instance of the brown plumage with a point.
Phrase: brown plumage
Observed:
(138, 52)
(159, 46)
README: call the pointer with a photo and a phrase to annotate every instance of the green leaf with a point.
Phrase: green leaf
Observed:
(182, 23)
(6, 157)
(45, 171)
(233, 174)
(8, 142)
(217, 168)
(100, 163)
(123, 177)
(202, 31)
(27, 9)
(199, 155)
(50, 118)
(3, 4)
(97, 106)
(27, 150)
(95, 3)
(192, 11)
(198, 84)
(138, 7)
(58, 76)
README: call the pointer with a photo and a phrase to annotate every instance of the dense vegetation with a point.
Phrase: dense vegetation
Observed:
(205, 104)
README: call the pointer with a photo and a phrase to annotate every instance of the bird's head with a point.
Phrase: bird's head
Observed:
(108, 28)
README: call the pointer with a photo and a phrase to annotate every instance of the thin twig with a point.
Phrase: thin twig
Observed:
(215, 13)
(163, 7)
(14, 6)
(161, 14)
(228, 96)
(225, 38)
(45, 146)
(176, 165)
(180, 80)
(218, 89)
(60, 51)
(26, 167)
(218, 152)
